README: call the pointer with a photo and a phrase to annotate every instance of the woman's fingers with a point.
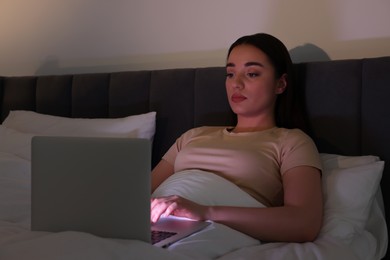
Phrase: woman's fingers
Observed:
(178, 206)
(170, 209)
(164, 206)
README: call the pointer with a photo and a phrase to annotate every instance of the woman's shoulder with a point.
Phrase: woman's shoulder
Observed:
(291, 131)
(292, 134)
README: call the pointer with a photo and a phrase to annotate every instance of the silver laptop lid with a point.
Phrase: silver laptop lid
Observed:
(95, 185)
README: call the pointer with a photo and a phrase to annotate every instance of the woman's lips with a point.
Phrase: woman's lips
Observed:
(236, 98)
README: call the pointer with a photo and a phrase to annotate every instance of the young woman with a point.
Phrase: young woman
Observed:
(262, 154)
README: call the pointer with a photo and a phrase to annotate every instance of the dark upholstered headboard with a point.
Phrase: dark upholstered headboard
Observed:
(347, 101)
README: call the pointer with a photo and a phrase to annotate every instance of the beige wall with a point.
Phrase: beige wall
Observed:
(57, 36)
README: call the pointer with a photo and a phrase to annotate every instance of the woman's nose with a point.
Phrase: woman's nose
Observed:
(238, 82)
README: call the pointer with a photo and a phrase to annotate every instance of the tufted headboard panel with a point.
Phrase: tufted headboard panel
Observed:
(345, 100)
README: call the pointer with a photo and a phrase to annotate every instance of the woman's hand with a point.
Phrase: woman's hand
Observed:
(177, 206)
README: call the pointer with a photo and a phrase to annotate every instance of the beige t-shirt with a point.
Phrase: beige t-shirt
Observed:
(254, 161)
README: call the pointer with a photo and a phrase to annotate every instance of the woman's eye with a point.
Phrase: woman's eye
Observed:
(253, 74)
(229, 75)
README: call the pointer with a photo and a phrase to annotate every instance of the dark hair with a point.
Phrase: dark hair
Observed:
(288, 109)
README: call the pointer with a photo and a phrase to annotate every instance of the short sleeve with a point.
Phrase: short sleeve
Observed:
(298, 149)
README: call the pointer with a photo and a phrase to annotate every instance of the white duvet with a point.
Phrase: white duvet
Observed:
(215, 242)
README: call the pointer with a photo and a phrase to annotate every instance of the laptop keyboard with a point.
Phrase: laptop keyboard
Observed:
(158, 235)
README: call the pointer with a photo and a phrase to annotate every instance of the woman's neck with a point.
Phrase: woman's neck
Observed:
(245, 125)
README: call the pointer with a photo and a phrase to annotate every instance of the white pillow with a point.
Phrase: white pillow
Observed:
(136, 126)
(16, 143)
(350, 184)
(205, 188)
(335, 161)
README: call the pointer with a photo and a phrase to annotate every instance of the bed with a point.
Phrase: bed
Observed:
(348, 110)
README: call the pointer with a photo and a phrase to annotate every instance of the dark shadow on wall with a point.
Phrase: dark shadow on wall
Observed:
(49, 66)
(308, 52)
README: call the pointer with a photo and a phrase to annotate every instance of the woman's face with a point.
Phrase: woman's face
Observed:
(251, 84)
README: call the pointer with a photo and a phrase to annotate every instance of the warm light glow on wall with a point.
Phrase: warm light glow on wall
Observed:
(88, 35)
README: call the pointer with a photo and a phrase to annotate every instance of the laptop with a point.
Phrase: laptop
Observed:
(99, 186)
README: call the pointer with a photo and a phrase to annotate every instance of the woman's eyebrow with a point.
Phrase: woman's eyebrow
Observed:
(248, 64)
(253, 63)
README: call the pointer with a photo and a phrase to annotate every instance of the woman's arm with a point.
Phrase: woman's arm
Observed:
(298, 220)
(161, 172)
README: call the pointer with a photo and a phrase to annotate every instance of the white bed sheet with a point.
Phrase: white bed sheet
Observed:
(215, 242)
